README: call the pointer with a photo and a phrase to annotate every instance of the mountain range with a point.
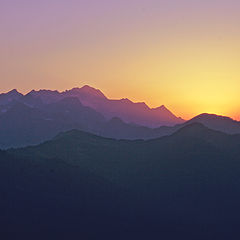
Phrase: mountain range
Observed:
(128, 111)
(40, 115)
(76, 164)
(185, 185)
(125, 109)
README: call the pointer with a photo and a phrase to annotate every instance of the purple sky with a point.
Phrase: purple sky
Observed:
(161, 52)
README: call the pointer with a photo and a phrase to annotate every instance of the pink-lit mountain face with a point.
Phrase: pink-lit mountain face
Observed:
(130, 112)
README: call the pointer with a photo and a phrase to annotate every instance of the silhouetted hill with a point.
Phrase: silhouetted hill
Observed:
(216, 122)
(198, 130)
(185, 185)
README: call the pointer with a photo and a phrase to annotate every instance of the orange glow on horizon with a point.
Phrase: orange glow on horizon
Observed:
(181, 54)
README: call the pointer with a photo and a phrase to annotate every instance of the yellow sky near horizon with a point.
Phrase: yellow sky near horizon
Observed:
(182, 55)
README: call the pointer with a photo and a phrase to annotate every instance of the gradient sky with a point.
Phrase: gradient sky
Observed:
(184, 54)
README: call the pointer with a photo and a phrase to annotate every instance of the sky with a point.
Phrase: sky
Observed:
(184, 54)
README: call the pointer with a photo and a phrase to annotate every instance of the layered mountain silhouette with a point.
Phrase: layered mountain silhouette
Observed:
(40, 115)
(185, 185)
(216, 122)
(21, 124)
(124, 109)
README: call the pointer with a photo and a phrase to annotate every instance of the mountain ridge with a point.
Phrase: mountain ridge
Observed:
(217, 122)
(40, 115)
(137, 112)
(99, 184)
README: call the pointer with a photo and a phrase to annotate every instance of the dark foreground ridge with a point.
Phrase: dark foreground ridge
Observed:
(79, 185)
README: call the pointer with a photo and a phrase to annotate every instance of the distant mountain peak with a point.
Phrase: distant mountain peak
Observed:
(88, 90)
(6, 98)
(126, 100)
(141, 105)
(217, 122)
(208, 116)
(161, 108)
(13, 91)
